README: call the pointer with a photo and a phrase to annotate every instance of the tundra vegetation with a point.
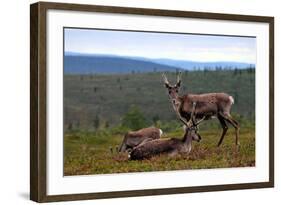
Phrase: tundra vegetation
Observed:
(100, 109)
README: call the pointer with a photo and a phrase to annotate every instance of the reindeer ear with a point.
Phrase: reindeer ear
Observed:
(167, 85)
(178, 84)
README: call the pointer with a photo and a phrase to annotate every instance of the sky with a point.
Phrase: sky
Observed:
(203, 48)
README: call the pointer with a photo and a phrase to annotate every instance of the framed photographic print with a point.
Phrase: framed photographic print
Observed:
(134, 102)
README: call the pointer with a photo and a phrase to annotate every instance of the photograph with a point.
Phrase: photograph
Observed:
(129, 101)
(148, 101)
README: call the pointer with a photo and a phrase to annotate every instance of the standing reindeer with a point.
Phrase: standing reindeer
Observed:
(207, 105)
(172, 146)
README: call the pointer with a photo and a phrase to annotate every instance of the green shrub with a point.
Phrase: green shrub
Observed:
(134, 119)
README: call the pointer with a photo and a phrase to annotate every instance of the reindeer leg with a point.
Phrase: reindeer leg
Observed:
(123, 147)
(235, 124)
(224, 127)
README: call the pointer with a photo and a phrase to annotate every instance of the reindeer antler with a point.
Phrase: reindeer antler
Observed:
(199, 121)
(192, 121)
(189, 123)
(178, 80)
(167, 84)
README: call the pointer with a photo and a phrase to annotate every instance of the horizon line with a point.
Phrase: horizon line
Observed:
(163, 58)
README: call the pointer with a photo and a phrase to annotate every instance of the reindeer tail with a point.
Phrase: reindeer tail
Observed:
(231, 100)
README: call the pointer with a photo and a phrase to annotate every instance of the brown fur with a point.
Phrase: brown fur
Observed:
(172, 146)
(135, 138)
(206, 104)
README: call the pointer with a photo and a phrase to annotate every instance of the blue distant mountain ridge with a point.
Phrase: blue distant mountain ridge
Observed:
(79, 63)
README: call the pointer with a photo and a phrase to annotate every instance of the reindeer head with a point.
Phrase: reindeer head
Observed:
(195, 135)
(172, 90)
(191, 127)
(193, 132)
(190, 135)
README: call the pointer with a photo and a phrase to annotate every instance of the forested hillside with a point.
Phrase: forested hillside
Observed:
(99, 101)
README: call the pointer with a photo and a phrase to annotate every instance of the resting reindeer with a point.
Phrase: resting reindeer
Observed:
(135, 138)
(208, 105)
(170, 146)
